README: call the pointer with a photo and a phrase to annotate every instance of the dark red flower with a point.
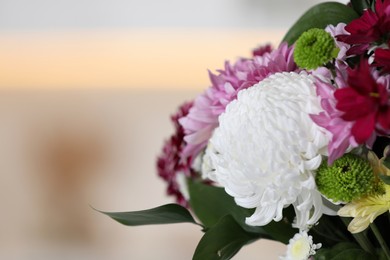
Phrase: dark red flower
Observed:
(370, 27)
(382, 59)
(260, 51)
(364, 101)
(169, 163)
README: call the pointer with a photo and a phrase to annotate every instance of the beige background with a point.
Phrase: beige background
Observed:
(66, 150)
(86, 90)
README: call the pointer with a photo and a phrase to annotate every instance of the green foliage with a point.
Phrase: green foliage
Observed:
(360, 5)
(381, 254)
(223, 240)
(211, 203)
(343, 251)
(320, 16)
(166, 214)
(330, 231)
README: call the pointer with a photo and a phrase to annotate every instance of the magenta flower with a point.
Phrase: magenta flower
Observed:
(365, 102)
(202, 118)
(370, 27)
(382, 59)
(169, 163)
(331, 120)
(260, 51)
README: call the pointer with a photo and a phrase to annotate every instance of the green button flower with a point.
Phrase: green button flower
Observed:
(349, 178)
(314, 48)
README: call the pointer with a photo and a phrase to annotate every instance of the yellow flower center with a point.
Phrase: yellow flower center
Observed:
(374, 94)
(300, 249)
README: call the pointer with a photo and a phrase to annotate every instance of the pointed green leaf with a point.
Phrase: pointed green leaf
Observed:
(223, 240)
(320, 16)
(211, 203)
(166, 214)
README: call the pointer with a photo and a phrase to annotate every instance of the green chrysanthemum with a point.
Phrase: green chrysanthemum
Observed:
(349, 178)
(314, 48)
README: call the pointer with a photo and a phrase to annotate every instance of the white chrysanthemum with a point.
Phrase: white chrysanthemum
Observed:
(266, 148)
(300, 247)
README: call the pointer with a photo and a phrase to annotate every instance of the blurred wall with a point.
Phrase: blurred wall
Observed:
(86, 90)
(54, 15)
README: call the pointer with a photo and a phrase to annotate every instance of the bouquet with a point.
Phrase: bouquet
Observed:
(291, 144)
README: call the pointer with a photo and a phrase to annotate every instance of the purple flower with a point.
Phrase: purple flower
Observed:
(202, 118)
(169, 164)
(260, 51)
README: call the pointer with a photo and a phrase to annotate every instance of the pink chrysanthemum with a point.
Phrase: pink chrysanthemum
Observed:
(169, 163)
(337, 30)
(331, 120)
(202, 118)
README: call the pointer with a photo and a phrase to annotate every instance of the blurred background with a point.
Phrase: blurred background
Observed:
(86, 90)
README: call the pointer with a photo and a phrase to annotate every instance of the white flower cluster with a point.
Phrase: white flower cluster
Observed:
(301, 247)
(266, 149)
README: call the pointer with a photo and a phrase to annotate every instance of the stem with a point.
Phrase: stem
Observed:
(362, 240)
(379, 237)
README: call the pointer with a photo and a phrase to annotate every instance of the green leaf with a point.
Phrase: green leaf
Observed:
(360, 5)
(211, 203)
(223, 240)
(166, 214)
(381, 254)
(385, 179)
(340, 247)
(330, 231)
(320, 16)
(343, 251)
(353, 254)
